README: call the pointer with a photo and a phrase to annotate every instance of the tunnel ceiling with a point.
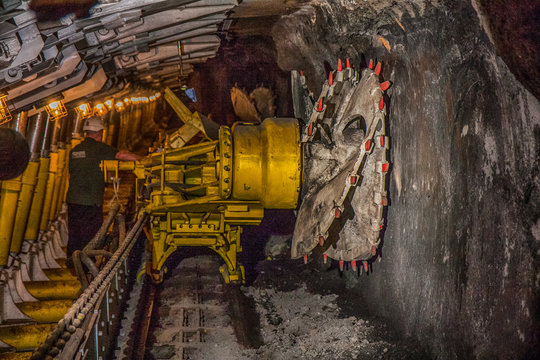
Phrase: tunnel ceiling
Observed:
(120, 45)
(82, 49)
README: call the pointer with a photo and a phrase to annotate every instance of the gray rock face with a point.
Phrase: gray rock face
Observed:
(460, 265)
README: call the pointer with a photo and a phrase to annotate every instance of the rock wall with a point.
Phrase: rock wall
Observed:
(460, 267)
(244, 62)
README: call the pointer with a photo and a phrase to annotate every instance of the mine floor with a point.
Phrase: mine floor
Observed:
(288, 311)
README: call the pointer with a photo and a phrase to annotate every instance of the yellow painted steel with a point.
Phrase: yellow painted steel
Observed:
(59, 274)
(64, 181)
(53, 290)
(267, 163)
(29, 180)
(106, 135)
(9, 196)
(75, 142)
(192, 121)
(53, 166)
(45, 311)
(16, 356)
(202, 195)
(25, 337)
(57, 182)
(61, 262)
(38, 197)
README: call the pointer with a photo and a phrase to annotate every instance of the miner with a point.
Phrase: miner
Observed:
(86, 184)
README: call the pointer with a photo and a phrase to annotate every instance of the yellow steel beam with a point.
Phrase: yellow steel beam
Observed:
(53, 165)
(187, 117)
(32, 227)
(178, 106)
(9, 195)
(29, 180)
(25, 337)
(53, 290)
(46, 311)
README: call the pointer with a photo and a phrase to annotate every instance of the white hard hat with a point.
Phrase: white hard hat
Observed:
(93, 123)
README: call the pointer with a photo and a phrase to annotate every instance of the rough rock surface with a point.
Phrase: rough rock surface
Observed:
(460, 269)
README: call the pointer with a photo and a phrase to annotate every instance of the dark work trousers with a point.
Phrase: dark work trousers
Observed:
(83, 223)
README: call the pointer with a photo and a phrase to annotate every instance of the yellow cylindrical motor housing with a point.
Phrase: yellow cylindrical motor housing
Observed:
(267, 163)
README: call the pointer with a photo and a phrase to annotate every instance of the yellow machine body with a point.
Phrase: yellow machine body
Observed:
(202, 195)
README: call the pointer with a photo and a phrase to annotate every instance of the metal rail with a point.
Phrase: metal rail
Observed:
(80, 322)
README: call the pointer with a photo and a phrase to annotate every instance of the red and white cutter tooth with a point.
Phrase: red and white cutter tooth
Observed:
(378, 69)
(368, 145)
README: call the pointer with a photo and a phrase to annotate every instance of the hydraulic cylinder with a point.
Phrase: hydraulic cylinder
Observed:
(57, 182)
(9, 196)
(32, 225)
(53, 166)
(29, 179)
(64, 180)
(35, 135)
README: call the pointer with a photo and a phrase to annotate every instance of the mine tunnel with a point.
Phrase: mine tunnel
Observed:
(276, 179)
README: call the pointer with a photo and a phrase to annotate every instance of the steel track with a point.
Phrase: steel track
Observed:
(191, 318)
